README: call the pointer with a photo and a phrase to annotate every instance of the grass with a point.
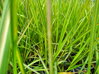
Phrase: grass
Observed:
(4, 38)
(49, 28)
(49, 36)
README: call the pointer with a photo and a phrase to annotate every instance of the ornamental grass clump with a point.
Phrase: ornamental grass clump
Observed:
(49, 36)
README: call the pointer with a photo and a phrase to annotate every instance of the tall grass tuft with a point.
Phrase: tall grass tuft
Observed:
(51, 36)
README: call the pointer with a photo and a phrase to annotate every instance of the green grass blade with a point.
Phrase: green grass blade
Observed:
(16, 54)
(92, 36)
(5, 42)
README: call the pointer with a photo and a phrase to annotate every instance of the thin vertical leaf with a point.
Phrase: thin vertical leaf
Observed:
(50, 51)
(16, 53)
(5, 38)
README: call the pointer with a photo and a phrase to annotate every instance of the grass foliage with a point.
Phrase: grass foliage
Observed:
(49, 36)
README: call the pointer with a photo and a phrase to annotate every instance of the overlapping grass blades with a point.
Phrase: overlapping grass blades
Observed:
(64, 39)
(7, 32)
(15, 51)
(93, 45)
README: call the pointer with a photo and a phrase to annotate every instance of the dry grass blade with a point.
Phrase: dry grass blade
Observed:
(50, 51)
